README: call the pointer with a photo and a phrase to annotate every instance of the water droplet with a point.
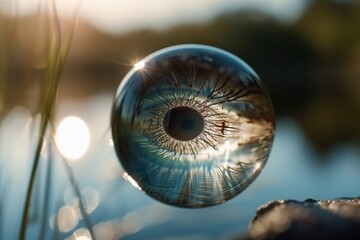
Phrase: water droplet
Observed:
(193, 126)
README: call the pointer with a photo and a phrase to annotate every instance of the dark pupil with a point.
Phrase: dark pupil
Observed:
(183, 123)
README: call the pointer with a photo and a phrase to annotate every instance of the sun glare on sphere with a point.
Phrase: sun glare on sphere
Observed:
(72, 137)
(139, 65)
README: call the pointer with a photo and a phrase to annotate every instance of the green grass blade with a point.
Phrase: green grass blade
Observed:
(58, 51)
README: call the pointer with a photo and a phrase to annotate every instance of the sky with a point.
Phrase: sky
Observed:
(119, 16)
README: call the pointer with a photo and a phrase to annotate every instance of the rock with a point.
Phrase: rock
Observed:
(309, 219)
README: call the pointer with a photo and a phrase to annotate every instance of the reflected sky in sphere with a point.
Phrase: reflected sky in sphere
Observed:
(193, 126)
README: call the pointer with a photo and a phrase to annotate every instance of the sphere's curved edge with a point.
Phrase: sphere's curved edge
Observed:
(245, 115)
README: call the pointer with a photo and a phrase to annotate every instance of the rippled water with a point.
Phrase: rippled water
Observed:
(118, 209)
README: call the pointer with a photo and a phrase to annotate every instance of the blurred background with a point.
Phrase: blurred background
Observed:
(306, 52)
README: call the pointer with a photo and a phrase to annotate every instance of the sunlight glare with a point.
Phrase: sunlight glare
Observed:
(72, 137)
(139, 65)
(127, 177)
(83, 238)
(257, 166)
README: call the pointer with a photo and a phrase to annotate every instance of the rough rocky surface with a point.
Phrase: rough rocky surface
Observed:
(309, 219)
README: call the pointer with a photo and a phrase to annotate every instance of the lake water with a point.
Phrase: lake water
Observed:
(119, 210)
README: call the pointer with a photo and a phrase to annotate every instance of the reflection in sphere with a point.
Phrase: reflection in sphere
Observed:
(193, 126)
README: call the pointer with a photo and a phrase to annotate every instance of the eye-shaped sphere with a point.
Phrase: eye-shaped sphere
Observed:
(192, 125)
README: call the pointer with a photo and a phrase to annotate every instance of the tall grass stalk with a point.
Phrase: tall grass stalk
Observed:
(2, 69)
(3, 199)
(4, 28)
(3, 186)
(47, 197)
(57, 53)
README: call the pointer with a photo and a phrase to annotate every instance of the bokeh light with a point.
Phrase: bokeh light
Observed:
(67, 219)
(72, 137)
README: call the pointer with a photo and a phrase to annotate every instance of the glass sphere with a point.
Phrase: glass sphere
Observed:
(192, 125)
